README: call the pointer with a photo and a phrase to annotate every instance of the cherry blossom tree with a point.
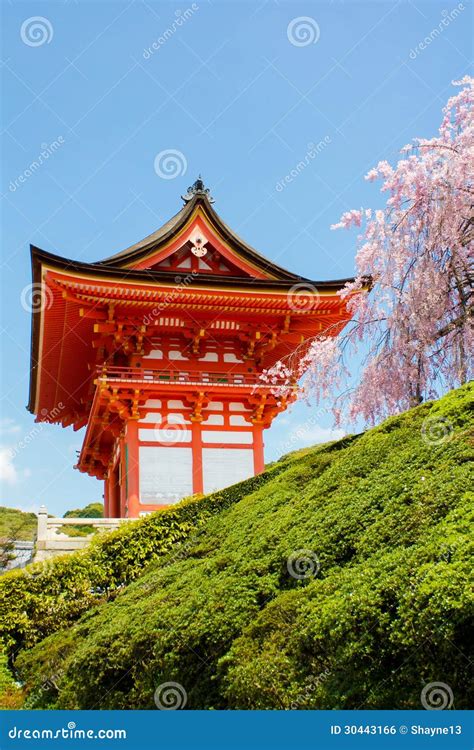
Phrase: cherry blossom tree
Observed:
(414, 326)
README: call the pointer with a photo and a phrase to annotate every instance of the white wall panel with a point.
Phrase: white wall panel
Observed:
(238, 420)
(217, 419)
(153, 416)
(176, 418)
(225, 466)
(169, 435)
(233, 406)
(225, 436)
(176, 355)
(166, 474)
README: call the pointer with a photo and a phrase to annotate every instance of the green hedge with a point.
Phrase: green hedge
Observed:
(387, 513)
(44, 597)
(11, 696)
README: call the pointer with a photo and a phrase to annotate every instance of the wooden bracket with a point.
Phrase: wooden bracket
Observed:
(199, 401)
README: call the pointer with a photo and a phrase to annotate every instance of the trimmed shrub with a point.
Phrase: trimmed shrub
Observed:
(44, 597)
(380, 522)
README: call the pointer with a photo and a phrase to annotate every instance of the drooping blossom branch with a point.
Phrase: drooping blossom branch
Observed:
(415, 326)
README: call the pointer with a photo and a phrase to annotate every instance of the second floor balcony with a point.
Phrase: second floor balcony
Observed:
(180, 379)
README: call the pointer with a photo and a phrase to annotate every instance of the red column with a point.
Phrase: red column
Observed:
(198, 485)
(123, 487)
(107, 495)
(114, 493)
(258, 458)
(131, 469)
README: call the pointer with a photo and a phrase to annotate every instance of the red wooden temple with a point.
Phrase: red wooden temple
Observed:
(157, 352)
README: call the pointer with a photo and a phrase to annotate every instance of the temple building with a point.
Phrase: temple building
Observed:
(157, 352)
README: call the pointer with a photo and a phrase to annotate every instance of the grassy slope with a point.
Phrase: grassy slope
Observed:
(388, 515)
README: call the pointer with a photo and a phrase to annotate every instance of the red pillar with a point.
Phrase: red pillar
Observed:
(107, 495)
(123, 487)
(258, 458)
(131, 469)
(198, 485)
(114, 493)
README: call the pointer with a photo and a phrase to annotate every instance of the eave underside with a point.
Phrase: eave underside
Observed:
(66, 343)
(80, 296)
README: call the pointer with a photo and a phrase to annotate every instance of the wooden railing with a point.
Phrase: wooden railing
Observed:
(179, 377)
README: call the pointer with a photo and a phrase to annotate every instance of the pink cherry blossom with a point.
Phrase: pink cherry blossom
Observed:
(414, 327)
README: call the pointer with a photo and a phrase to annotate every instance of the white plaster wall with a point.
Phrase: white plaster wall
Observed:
(225, 466)
(166, 474)
(225, 436)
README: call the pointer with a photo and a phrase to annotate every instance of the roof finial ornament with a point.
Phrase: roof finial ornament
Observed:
(197, 188)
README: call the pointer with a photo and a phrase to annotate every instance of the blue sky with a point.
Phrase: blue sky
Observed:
(240, 89)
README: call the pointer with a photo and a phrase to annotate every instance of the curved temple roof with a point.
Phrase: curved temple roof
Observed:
(197, 201)
(147, 270)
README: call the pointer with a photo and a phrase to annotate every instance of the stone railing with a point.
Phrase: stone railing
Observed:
(50, 541)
